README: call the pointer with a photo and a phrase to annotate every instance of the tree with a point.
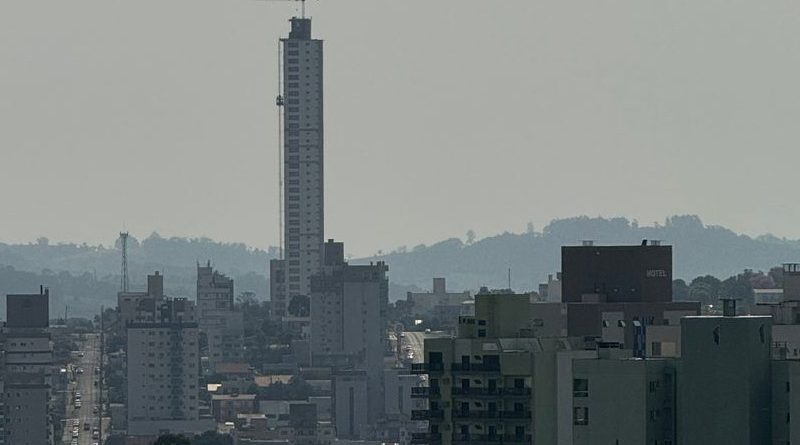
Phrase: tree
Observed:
(470, 236)
(704, 289)
(212, 438)
(172, 439)
(299, 306)
(680, 290)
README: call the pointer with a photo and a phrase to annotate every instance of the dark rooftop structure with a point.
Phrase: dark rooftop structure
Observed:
(28, 310)
(616, 274)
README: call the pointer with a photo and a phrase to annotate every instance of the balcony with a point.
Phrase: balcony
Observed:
(427, 414)
(474, 367)
(426, 438)
(517, 439)
(522, 415)
(516, 392)
(459, 414)
(425, 391)
(425, 368)
(492, 392)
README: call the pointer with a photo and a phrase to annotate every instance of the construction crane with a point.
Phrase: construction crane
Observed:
(302, 5)
(279, 102)
(123, 236)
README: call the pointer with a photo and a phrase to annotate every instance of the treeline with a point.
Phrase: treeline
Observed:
(709, 290)
(698, 249)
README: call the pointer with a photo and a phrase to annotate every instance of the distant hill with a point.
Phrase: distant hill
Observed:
(698, 249)
(84, 276)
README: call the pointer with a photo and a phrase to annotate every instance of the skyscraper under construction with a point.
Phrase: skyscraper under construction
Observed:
(302, 162)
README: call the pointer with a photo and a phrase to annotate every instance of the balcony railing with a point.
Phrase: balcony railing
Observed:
(491, 392)
(517, 438)
(512, 439)
(475, 367)
(425, 391)
(424, 368)
(427, 414)
(515, 414)
(461, 414)
(426, 438)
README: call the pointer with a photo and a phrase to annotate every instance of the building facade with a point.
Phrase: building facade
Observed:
(725, 380)
(163, 372)
(219, 321)
(28, 370)
(348, 320)
(303, 206)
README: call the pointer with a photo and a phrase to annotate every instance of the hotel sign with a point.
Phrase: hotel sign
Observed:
(657, 273)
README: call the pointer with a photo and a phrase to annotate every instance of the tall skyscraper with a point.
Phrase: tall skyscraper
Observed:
(303, 203)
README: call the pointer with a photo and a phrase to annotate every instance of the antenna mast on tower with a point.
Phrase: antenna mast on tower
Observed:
(123, 236)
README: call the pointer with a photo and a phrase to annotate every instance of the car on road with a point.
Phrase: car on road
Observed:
(87, 426)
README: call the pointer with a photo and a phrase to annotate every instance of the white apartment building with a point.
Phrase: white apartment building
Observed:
(163, 373)
(303, 203)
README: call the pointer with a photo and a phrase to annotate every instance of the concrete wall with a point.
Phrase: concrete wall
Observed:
(724, 380)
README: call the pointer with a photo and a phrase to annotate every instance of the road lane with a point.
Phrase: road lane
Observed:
(84, 383)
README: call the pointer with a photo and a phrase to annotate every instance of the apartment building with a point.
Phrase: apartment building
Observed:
(348, 321)
(219, 321)
(28, 369)
(163, 372)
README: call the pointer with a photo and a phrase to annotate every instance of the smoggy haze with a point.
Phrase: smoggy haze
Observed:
(441, 116)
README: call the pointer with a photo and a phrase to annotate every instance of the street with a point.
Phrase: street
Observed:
(416, 341)
(84, 375)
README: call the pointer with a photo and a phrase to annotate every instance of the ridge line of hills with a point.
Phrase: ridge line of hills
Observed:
(84, 276)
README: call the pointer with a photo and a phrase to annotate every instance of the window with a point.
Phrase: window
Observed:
(580, 388)
(481, 332)
(656, 352)
(580, 415)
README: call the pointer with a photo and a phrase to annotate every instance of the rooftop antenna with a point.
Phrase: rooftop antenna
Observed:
(123, 236)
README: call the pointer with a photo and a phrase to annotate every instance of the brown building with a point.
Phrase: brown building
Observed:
(616, 274)
(614, 293)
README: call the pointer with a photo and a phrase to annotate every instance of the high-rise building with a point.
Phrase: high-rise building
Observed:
(348, 320)
(140, 306)
(163, 374)
(496, 382)
(28, 370)
(724, 383)
(303, 203)
(218, 319)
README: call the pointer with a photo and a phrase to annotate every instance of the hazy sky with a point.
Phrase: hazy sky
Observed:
(441, 116)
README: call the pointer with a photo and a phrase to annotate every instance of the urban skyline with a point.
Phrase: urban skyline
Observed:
(230, 345)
